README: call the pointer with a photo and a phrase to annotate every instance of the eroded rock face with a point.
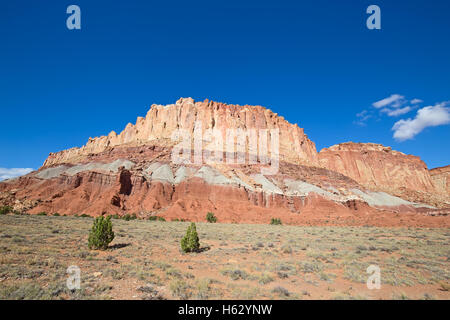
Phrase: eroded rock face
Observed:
(377, 166)
(162, 121)
(133, 172)
(441, 179)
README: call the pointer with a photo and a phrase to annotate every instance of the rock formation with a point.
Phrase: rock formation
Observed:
(377, 166)
(441, 179)
(135, 172)
(162, 121)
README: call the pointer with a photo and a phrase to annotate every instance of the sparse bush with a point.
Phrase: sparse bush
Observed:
(211, 218)
(282, 275)
(310, 267)
(276, 221)
(173, 273)
(265, 278)
(156, 218)
(129, 217)
(203, 288)
(286, 249)
(180, 289)
(5, 210)
(445, 286)
(56, 214)
(190, 242)
(101, 233)
(42, 214)
(281, 291)
(84, 215)
(235, 274)
(427, 296)
(327, 277)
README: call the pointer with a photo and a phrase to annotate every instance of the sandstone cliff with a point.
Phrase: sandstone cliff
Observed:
(134, 172)
(162, 121)
(377, 166)
(441, 179)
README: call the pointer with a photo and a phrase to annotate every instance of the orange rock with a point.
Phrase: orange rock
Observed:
(162, 121)
(441, 179)
(132, 172)
(377, 166)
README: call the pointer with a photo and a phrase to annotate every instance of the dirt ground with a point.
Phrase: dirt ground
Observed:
(237, 261)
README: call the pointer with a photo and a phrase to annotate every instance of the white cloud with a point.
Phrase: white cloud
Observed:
(395, 100)
(430, 116)
(363, 116)
(8, 173)
(416, 101)
(396, 112)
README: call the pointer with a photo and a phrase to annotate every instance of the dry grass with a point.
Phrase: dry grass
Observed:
(237, 261)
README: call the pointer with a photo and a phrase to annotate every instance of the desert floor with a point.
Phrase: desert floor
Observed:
(237, 261)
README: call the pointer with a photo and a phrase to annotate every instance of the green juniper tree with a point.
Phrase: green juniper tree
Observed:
(101, 233)
(190, 242)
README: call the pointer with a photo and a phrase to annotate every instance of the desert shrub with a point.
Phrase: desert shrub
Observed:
(281, 291)
(286, 249)
(211, 218)
(5, 209)
(235, 274)
(42, 214)
(84, 215)
(156, 218)
(115, 216)
(275, 221)
(180, 289)
(203, 288)
(56, 214)
(101, 233)
(265, 278)
(190, 242)
(445, 286)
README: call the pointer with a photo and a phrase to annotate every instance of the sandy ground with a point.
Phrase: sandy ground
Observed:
(237, 261)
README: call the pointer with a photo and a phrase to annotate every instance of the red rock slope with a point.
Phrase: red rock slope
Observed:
(441, 179)
(380, 168)
(133, 172)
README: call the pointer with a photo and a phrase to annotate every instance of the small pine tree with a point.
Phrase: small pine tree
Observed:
(211, 218)
(190, 242)
(101, 233)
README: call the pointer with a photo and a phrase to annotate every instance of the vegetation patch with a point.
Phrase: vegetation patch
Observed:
(190, 242)
(275, 221)
(101, 234)
(211, 218)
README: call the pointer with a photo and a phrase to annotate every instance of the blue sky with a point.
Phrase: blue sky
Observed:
(314, 62)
